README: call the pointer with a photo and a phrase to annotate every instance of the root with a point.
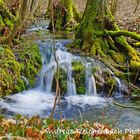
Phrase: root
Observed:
(123, 33)
(137, 45)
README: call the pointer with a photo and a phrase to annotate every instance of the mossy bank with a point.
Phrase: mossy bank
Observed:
(23, 59)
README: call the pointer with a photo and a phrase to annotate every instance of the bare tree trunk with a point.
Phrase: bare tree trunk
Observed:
(34, 6)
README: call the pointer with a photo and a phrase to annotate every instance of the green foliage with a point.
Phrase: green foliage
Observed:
(118, 57)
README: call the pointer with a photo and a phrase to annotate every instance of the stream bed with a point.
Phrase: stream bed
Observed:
(39, 100)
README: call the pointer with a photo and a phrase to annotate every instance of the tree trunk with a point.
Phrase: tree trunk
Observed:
(65, 14)
(99, 35)
(18, 22)
(34, 6)
(27, 10)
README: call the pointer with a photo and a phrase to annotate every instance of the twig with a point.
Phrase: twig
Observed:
(57, 73)
(136, 76)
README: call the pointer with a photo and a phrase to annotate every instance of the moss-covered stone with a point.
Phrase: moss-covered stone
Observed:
(79, 76)
(23, 60)
(30, 61)
(110, 82)
(9, 72)
(62, 76)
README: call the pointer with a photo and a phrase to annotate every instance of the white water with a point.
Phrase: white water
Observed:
(26, 81)
(40, 99)
(64, 60)
(90, 84)
(35, 102)
(119, 84)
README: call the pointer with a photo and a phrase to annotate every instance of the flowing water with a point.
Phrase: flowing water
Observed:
(40, 99)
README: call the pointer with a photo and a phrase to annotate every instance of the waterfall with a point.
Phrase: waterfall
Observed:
(49, 69)
(26, 81)
(48, 78)
(71, 86)
(64, 60)
(119, 85)
(90, 83)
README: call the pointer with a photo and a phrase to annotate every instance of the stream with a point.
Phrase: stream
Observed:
(39, 100)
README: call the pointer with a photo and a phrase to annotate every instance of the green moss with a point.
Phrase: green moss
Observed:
(110, 85)
(20, 86)
(9, 72)
(27, 62)
(118, 57)
(62, 81)
(30, 60)
(9, 23)
(1, 23)
(79, 76)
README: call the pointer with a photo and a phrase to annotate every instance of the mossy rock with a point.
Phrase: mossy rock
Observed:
(9, 73)
(24, 60)
(29, 58)
(99, 78)
(62, 81)
(79, 76)
(110, 83)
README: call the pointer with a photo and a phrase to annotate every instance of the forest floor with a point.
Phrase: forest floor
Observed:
(126, 17)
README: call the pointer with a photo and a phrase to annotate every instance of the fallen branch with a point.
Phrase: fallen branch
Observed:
(135, 87)
(125, 106)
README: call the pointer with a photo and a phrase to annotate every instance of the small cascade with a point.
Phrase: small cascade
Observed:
(119, 85)
(71, 86)
(64, 60)
(48, 78)
(26, 81)
(90, 83)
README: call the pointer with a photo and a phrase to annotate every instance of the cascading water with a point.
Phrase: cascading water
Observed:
(90, 84)
(26, 81)
(119, 85)
(118, 92)
(71, 87)
(64, 60)
(40, 99)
